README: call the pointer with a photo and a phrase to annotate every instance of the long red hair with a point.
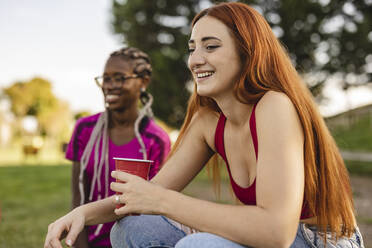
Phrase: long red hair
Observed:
(266, 66)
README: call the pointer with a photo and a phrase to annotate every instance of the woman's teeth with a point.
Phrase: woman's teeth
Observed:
(204, 74)
(110, 98)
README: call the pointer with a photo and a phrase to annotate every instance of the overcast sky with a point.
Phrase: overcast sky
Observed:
(67, 42)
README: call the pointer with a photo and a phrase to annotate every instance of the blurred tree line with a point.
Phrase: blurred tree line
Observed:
(35, 98)
(324, 38)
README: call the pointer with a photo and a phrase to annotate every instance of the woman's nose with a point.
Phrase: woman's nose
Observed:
(196, 59)
(107, 86)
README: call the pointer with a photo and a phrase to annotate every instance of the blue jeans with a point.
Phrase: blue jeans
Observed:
(150, 231)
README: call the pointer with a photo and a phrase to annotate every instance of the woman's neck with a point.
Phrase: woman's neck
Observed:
(236, 112)
(123, 118)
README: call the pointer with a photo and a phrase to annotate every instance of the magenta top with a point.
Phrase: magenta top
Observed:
(157, 144)
(245, 195)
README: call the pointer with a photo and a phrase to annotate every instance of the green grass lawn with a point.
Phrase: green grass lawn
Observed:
(31, 197)
(357, 138)
(359, 168)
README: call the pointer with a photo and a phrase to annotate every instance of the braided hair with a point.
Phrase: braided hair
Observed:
(141, 61)
(142, 67)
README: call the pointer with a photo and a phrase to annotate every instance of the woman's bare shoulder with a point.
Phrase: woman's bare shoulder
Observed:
(276, 112)
(274, 97)
(273, 103)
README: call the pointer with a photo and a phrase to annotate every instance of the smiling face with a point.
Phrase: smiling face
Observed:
(126, 96)
(214, 60)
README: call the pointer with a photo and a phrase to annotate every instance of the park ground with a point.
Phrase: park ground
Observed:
(32, 196)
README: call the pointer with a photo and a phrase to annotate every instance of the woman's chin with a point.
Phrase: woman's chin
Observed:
(205, 93)
(113, 106)
(202, 91)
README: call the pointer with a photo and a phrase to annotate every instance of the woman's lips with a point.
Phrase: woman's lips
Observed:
(202, 76)
(111, 98)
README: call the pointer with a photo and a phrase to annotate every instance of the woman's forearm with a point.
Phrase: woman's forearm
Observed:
(243, 224)
(101, 211)
(272, 226)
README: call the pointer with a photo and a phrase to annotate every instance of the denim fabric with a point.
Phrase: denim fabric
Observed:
(150, 231)
(307, 236)
(145, 231)
(204, 240)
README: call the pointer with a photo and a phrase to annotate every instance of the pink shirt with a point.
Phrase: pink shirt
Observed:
(157, 145)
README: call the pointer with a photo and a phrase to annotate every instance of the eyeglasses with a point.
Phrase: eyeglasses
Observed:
(116, 81)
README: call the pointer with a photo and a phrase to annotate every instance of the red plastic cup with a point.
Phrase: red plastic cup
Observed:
(137, 167)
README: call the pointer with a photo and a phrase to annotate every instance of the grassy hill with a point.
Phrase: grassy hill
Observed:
(356, 138)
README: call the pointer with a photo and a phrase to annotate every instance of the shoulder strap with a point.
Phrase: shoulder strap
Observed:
(218, 136)
(252, 126)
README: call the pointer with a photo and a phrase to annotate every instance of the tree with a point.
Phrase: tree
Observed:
(160, 28)
(35, 98)
(323, 37)
(31, 98)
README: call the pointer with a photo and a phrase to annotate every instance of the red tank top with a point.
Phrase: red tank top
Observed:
(245, 195)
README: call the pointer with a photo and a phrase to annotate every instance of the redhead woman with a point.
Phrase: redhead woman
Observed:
(250, 107)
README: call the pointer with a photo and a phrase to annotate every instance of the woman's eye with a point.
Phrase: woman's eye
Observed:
(211, 47)
(119, 78)
(191, 49)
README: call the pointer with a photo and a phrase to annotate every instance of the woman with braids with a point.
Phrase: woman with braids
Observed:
(122, 130)
(250, 107)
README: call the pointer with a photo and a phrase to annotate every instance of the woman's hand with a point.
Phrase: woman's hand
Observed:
(68, 226)
(138, 195)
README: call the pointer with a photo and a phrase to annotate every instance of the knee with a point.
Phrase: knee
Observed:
(144, 231)
(201, 240)
(126, 232)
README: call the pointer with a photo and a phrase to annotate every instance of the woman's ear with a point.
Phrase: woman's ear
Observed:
(145, 81)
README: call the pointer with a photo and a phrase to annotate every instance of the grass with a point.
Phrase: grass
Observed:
(30, 198)
(356, 138)
(364, 220)
(359, 168)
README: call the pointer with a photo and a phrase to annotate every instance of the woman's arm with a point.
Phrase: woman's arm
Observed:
(193, 153)
(82, 239)
(279, 186)
(70, 225)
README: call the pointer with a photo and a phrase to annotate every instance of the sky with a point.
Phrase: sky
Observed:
(67, 42)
